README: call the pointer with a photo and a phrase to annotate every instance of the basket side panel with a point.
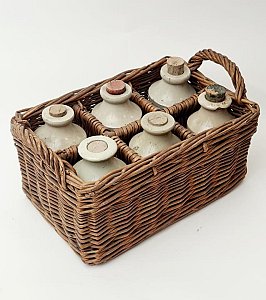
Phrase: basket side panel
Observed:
(175, 184)
(56, 203)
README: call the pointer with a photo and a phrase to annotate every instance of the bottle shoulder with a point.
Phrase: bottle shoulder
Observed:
(145, 144)
(204, 119)
(165, 94)
(59, 138)
(117, 115)
(92, 171)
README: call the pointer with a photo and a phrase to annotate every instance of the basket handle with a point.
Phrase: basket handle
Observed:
(207, 54)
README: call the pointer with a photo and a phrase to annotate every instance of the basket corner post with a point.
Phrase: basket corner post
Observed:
(85, 225)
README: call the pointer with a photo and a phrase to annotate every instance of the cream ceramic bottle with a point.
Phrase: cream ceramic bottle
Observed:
(156, 134)
(116, 109)
(213, 111)
(59, 132)
(98, 159)
(174, 86)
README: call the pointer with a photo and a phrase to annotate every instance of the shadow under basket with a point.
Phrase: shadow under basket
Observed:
(103, 219)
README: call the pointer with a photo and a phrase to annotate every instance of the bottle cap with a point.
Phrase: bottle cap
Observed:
(58, 115)
(157, 123)
(97, 148)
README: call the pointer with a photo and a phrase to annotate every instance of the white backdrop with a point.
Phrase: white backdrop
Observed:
(51, 47)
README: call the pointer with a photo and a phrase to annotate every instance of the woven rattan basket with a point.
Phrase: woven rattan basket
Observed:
(101, 220)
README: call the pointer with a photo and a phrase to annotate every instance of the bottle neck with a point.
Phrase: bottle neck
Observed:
(59, 126)
(157, 135)
(98, 163)
(208, 112)
(213, 106)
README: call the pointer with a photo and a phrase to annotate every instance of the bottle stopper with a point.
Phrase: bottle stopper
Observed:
(57, 110)
(175, 65)
(116, 92)
(97, 148)
(157, 120)
(215, 93)
(157, 123)
(116, 87)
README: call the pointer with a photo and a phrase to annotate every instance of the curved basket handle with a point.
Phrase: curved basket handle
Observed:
(207, 54)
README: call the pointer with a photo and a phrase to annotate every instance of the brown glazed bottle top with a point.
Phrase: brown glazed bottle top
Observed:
(116, 87)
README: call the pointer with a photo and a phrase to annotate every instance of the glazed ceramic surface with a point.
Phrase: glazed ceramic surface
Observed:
(172, 88)
(59, 132)
(116, 110)
(156, 134)
(211, 114)
(98, 159)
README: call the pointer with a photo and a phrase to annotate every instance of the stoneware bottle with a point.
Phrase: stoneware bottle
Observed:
(174, 86)
(156, 134)
(213, 111)
(59, 132)
(116, 109)
(98, 159)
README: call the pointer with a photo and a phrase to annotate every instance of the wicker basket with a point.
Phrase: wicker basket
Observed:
(104, 219)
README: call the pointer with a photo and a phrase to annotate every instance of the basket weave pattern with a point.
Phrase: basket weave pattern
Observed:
(101, 220)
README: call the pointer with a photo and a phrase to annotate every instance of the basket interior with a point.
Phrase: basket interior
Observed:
(140, 84)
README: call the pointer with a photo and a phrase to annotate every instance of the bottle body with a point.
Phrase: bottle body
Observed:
(59, 138)
(163, 94)
(116, 109)
(156, 135)
(145, 143)
(117, 115)
(58, 132)
(92, 171)
(205, 119)
(214, 102)
(173, 87)
(97, 153)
